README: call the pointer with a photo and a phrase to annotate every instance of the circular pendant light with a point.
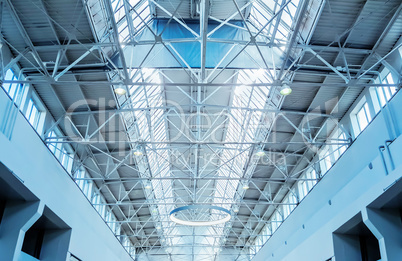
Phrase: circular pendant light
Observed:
(285, 89)
(120, 90)
(138, 151)
(260, 153)
(177, 215)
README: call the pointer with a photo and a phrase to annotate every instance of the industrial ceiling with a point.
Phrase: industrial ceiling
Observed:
(200, 86)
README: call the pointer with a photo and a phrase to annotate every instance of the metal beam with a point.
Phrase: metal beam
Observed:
(181, 84)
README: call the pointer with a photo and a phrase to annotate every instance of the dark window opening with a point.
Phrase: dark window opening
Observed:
(354, 241)
(2, 208)
(33, 241)
(369, 248)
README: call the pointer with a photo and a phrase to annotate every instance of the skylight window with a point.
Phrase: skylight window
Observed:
(147, 127)
(130, 17)
(150, 126)
(244, 127)
(263, 11)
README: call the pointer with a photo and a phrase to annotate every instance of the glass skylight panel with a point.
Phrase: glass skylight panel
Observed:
(262, 11)
(149, 125)
(135, 12)
(243, 128)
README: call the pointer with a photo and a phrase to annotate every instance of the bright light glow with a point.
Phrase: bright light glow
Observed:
(120, 91)
(260, 153)
(239, 90)
(138, 151)
(147, 185)
(235, 209)
(286, 90)
(200, 223)
(245, 187)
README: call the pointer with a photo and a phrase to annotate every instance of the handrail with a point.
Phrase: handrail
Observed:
(387, 143)
(381, 149)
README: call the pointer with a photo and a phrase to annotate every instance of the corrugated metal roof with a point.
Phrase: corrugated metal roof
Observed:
(327, 93)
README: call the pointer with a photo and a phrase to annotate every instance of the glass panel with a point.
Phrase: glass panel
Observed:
(261, 17)
(363, 117)
(14, 90)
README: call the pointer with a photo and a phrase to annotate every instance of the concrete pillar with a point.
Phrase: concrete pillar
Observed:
(17, 219)
(386, 225)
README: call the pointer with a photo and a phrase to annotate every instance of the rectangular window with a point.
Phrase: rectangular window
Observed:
(88, 189)
(11, 88)
(14, 90)
(66, 160)
(338, 150)
(326, 161)
(385, 93)
(289, 204)
(276, 220)
(32, 114)
(307, 182)
(60, 151)
(363, 117)
(52, 146)
(111, 220)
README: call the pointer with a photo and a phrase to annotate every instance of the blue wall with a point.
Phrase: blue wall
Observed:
(29, 158)
(344, 192)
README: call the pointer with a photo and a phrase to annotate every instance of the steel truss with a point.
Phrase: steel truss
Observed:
(186, 174)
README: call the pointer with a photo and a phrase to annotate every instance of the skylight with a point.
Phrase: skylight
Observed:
(148, 125)
(263, 11)
(130, 17)
(244, 128)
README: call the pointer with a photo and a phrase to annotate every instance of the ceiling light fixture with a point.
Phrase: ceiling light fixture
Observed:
(138, 151)
(260, 152)
(285, 89)
(246, 186)
(147, 184)
(201, 223)
(235, 209)
(120, 90)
